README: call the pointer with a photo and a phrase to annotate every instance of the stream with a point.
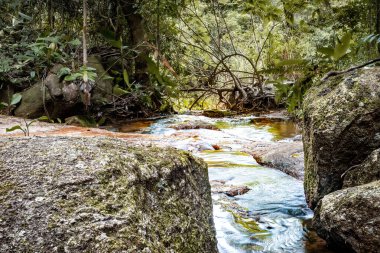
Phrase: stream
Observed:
(273, 215)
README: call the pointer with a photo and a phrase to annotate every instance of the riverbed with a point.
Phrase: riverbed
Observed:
(273, 216)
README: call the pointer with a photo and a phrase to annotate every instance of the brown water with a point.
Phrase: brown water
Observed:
(279, 128)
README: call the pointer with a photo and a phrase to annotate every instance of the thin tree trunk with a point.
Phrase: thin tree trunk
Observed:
(85, 61)
(50, 15)
(158, 34)
(85, 87)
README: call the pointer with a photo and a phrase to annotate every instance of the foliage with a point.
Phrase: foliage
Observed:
(25, 128)
(84, 74)
(155, 49)
(16, 98)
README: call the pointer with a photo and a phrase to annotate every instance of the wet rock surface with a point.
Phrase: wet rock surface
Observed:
(68, 194)
(220, 186)
(285, 156)
(349, 218)
(194, 125)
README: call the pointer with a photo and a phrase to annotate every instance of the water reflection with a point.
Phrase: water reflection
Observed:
(279, 128)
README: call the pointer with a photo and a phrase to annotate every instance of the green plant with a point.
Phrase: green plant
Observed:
(26, 126)
(16, 98)
(340, 49)
(84, 73)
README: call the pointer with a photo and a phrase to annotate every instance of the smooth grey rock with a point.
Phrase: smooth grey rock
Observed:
(54, 85)
(32, 103)
(62, 194)
(285, 156)
(349, 219)
(220, 186)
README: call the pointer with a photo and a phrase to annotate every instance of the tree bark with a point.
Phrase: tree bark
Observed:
(85, 61)
(139, 40)
(85, 87)
(377, 28)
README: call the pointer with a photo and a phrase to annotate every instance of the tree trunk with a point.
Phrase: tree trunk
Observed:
(85, 61)
(85, 87)
(377, 28)
(139, 39)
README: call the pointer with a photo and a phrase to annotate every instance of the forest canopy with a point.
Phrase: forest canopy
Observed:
(185, 54)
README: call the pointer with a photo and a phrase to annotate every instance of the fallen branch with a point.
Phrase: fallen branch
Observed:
(337, 73)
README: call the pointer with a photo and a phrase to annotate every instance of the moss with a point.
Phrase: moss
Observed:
(218, 113)
(5, 188)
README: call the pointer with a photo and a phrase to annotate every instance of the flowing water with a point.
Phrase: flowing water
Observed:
(273, 216)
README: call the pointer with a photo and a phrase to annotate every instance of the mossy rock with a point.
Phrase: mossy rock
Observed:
(349, 219)
(218, 113)
(341, 125)
(65, 194)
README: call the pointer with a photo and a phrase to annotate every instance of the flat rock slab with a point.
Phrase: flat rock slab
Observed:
(68, 194)
(285, 156)
(197, 124)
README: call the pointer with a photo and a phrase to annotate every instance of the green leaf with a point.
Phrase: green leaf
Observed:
(116, 43)
(119, 91)
(102, 121)
(73, 77)
(92, 76)
(327, 51)
(290, 62)
(16, 98)
(126, 77)
(24, 16)
(83, 68)
(368, 38)
(373, 38)
(341, 49)
(107, 77)
(75, 42)
(64, 72)
(43, 118)
(14, 128)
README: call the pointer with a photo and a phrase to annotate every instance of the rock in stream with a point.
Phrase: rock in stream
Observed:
(342, 140)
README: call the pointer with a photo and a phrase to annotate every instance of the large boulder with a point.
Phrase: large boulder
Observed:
(62, 194)
(349, 218)
(341, 129)
(34, 102)
(62, 99)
